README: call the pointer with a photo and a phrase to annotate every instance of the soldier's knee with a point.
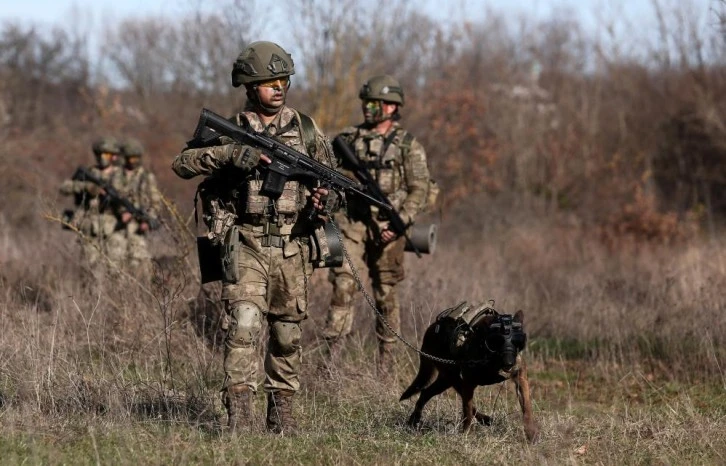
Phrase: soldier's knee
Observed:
(285, 338)
(344, 288)
(245, 324)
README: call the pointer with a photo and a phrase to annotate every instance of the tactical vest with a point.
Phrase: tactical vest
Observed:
(220, 196)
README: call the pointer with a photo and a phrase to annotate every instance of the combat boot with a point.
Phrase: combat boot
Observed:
(279, 413)
(238, 401)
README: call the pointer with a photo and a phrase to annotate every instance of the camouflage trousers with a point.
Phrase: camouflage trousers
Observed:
(272, 286)
(385, 268)
(122, 248)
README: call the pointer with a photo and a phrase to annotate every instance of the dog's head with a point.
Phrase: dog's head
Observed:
(500, 336)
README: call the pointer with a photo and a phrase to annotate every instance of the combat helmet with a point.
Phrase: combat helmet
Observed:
(106, 144)
(132, 148)
(261, 61)
(384, 87)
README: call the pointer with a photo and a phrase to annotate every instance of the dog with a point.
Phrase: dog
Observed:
(474, 345)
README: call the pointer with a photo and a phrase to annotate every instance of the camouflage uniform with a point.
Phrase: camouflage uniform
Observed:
(138, 185)
(273, 254)
(95, 216)
(397, 161)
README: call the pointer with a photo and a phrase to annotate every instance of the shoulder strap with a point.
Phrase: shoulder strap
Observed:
(406, 143)
(307, 130)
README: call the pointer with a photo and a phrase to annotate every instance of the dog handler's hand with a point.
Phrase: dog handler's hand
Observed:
(319, 198)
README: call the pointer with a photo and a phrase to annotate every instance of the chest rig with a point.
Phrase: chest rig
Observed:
(235, 198)
(386, 168)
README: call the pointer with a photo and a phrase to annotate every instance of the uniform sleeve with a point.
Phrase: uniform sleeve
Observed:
(205, 160)
(152, 196)
(70, 187)
(324, 154)
(416, 174)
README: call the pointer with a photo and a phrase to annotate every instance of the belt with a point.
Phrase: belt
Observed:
(269, 234)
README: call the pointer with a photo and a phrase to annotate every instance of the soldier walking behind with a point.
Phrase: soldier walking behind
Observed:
(96, 217)
(138, 185)
(397, 161)
(266, 266)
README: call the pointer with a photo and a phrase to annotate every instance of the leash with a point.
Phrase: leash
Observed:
(371, 303)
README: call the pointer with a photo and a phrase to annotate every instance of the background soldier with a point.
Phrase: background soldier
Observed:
(95, 216)
(266, 273)
(397, 161)
(138, 185)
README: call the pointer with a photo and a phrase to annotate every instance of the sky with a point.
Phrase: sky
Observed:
(592, 12)
(633, 18)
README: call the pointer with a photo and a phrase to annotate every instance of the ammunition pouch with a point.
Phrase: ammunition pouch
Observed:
(272, 236)
(230, 255)
(423, 238)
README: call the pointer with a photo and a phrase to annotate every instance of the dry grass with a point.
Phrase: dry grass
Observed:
(625, 350)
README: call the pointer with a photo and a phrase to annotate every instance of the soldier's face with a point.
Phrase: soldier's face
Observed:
(272, 93)
(376, 111)
(133, 162)
(105, 159)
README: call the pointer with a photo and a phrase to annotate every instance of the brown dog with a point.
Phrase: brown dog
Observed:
(480, 347)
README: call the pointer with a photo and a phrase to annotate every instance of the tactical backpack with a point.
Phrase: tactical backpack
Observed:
(432, 189)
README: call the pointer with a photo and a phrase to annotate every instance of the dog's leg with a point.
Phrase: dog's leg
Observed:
(439, 386)
(481, 418)
(467, 405)
(531, 431)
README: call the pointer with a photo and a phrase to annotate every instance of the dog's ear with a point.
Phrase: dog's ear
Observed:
(519, 316)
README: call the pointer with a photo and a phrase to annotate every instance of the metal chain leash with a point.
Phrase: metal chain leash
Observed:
(371, 302)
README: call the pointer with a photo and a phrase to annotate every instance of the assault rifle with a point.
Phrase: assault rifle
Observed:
(286, 161)
(395, 222)
(84, 174)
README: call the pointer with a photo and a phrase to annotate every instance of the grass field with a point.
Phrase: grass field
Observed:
(625, 354)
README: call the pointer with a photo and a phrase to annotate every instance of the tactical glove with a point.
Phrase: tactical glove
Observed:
(245, 157)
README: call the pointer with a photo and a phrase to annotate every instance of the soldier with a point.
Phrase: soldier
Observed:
(138, 185)
(397, 161)
(266, 273)
(96, 217)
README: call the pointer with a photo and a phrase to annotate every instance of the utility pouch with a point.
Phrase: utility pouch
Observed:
(326, 250)
(210, 267)
(229, 253)
(67, 219)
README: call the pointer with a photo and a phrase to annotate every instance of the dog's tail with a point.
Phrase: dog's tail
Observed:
(426, 373)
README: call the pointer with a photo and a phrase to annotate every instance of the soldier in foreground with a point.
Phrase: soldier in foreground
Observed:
(266, 263)
(95, 216)
(397, 161)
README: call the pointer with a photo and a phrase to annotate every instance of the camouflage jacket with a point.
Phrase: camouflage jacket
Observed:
(238, 184)
(94, 214)
(397, 161)
(140, 187)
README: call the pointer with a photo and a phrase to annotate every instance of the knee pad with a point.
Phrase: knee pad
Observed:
(386, 297)
(344, 288)
(285, 338)
(245, 324)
